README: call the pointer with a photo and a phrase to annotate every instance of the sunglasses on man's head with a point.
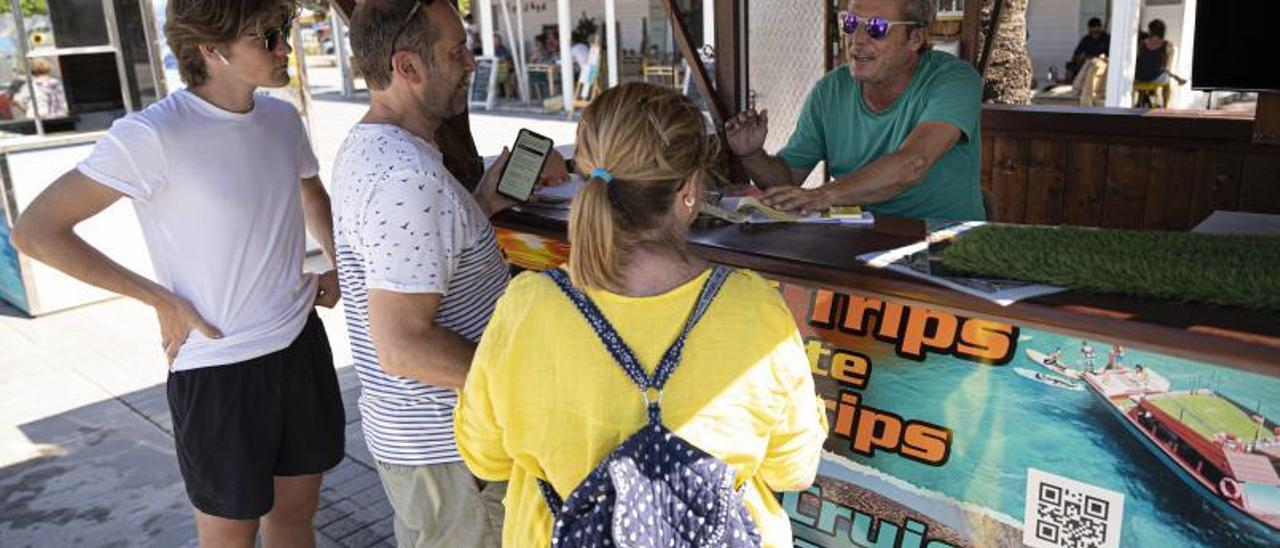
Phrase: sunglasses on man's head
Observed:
(877, 27)
(413, 12)
(272, 37)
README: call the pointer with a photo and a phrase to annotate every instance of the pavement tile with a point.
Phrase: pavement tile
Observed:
(333, 512)
(344, 471)
(343, 526)
(362, 538)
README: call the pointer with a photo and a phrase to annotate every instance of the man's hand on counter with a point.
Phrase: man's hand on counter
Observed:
(802, 200)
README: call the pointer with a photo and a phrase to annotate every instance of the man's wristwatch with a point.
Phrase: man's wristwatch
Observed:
(570, 166)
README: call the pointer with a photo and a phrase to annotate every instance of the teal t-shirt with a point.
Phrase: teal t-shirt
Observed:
(836, 126)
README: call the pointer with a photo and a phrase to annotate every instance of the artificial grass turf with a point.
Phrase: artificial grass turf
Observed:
(1242, 271)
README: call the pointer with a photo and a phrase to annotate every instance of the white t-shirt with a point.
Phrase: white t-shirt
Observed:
(219, 198)
(403, 223)
(581, 54)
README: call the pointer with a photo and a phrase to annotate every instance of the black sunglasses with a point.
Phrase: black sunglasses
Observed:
(413, 12)
(272, 37)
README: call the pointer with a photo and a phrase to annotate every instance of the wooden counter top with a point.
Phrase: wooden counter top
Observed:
(826, 255)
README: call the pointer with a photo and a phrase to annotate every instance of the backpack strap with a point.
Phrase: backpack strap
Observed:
(618, 348)
(625, 357)
(549, 494)
(622, 354)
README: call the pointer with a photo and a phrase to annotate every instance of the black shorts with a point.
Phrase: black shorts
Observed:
(237, 426)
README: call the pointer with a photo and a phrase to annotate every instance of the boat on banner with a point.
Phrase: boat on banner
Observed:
(1228, 453)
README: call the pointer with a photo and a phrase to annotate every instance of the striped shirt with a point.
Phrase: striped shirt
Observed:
(403, 223)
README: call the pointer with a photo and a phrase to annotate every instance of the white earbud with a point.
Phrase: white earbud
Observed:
(223, 59)
(688, 201)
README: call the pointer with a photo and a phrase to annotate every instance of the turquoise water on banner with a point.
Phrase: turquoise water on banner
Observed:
(1003, 424)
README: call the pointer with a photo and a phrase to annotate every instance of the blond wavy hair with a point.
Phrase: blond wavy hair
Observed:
(652, 141)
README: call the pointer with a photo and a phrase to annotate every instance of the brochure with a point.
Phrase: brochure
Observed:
(924, 260)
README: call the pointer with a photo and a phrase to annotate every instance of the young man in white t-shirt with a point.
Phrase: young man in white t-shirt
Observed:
(224, 184)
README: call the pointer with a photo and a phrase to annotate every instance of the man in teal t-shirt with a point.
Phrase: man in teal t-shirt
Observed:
(898, 125)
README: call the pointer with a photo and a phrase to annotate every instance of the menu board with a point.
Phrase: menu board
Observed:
(483, 83)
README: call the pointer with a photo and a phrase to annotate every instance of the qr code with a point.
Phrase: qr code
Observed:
(1064, 513)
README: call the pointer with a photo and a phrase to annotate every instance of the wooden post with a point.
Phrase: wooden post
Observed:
(1266, 123)
(731, 59)
(969, 31)
(831, 46)
(728, 97)
(715, 102)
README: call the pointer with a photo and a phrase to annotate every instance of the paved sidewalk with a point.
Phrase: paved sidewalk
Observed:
(87, 458)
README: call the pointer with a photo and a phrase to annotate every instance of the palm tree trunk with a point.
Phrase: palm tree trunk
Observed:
(1008, 76)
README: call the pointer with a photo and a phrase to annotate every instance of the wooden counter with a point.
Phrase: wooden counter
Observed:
(827, 255)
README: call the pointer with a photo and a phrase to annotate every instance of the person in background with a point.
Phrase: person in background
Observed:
(742, 391)
(473, 33)
(553, 46)
(898, 125)
(506, 68)
(50, 99)
(542, 50)
(1096, 43)
(1155, 61)
(225, 187)
(581, 53)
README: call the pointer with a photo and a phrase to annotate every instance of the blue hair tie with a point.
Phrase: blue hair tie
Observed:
(602, 174)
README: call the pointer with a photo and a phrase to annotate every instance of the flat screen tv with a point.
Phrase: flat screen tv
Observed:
(1236, 47)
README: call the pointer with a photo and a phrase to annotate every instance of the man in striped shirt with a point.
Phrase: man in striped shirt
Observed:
(419, 262)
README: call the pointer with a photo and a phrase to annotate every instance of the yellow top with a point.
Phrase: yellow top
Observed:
(544, 399)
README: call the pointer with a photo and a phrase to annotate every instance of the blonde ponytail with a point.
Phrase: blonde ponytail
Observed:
(645, 142)
(592, 253)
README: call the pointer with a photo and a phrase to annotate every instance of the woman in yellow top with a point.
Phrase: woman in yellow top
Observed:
(544, 398)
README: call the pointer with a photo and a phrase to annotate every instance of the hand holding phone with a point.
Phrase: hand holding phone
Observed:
(523, 167)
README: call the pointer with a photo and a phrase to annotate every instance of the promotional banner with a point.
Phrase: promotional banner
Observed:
(949, 431)
(952, 431)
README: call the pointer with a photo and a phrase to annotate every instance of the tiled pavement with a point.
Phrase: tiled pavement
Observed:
(104, 473)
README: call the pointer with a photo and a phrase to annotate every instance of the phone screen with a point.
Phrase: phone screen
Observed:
(524, 165)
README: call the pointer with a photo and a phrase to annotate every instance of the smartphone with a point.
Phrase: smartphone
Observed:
(524, 165)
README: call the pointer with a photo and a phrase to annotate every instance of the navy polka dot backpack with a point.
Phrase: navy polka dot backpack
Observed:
(655, 489)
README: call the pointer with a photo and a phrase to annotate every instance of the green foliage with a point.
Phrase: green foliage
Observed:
(1242, 271)
(29, 7)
